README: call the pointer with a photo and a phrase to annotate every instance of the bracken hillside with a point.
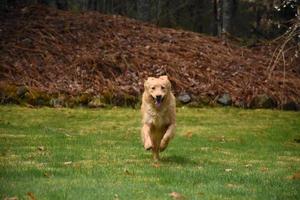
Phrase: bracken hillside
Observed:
(70, 55)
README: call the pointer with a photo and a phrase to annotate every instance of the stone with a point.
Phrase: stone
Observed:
(239, 104)
(291, 106)
(225, 100)
(263, 101)
(194, 104)
(96, 103)
(204, 100)
(41, 101)
(21, 91)
(184, 98)
(2, 97)
(56, 102)
(27, 42)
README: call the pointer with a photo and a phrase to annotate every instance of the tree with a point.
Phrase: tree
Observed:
(223, 13)
(227, 13)
(217, 17)
(143, 9)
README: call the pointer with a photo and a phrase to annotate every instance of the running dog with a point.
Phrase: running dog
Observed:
(159, 115)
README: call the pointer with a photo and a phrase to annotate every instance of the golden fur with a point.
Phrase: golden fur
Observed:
(158, 113)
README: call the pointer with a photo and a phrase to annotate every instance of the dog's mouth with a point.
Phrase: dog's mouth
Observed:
(158, 100)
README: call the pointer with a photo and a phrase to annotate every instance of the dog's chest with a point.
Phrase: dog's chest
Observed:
(157, 119)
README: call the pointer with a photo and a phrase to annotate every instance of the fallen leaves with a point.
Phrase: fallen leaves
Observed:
(295, 176)
(188, 134)
(217, 138)
(248, 165)
(116, 197)
(97, 53)
(264, 169)
(68, 163)
(11, 198)
(31, 196)
(127, 172)
(297, 140)
(47, 174)
(41, 148)
(176, 196)
(228, 170)
(232, 186)
(204, 149)
(156, 165)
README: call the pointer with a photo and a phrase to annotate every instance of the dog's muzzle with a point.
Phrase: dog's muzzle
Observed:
(158, 100)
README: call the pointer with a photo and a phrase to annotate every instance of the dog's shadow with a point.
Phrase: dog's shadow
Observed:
(179, 160)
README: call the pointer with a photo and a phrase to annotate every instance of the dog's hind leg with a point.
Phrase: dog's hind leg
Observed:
(155, 152)
(155, 138)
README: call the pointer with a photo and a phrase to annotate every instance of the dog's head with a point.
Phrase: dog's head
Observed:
(158, 89)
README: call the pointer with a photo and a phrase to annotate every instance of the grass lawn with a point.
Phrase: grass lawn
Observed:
(218, 153)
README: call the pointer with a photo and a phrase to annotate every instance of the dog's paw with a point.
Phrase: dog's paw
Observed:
(163, 146)
(148, 147)
(162, 149)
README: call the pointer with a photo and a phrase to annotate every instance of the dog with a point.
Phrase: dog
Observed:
(158, 115)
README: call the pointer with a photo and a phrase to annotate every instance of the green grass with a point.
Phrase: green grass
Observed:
(218, 153)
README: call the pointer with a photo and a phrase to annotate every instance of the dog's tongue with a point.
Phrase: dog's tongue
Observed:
(158, 104)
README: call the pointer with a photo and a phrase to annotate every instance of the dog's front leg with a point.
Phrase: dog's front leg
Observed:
(167, 137)
(145, 133)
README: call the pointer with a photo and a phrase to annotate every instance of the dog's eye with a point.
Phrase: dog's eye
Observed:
(162, 87)
(153, 88)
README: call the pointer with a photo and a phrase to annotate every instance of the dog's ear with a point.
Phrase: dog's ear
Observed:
(165, 78)
(146, 83)
(150, 78)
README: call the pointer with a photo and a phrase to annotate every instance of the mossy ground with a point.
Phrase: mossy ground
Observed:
(218, 153)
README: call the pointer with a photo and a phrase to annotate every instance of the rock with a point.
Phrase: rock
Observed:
(41, 101)
(239, 104)
(225, 100)
(297, 140)
(2, 97)
(27, 42)
(194, 104)
(41, 148)
(56, 102)
(96, 103)
(291, 106)
(21, 91)
(204, 100)
(263, 101)
(184, 98)
(84, 99)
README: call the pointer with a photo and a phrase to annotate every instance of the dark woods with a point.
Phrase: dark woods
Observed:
(247, 19)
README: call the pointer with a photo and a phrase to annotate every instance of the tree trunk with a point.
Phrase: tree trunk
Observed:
(227, 13)
(62, 4)
(3, 4)
(218, 17)
(143, 9)
(157, 11)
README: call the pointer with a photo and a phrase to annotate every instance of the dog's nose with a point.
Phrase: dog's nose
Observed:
(158, 97)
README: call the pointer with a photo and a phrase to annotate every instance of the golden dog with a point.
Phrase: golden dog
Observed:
(158, 113)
